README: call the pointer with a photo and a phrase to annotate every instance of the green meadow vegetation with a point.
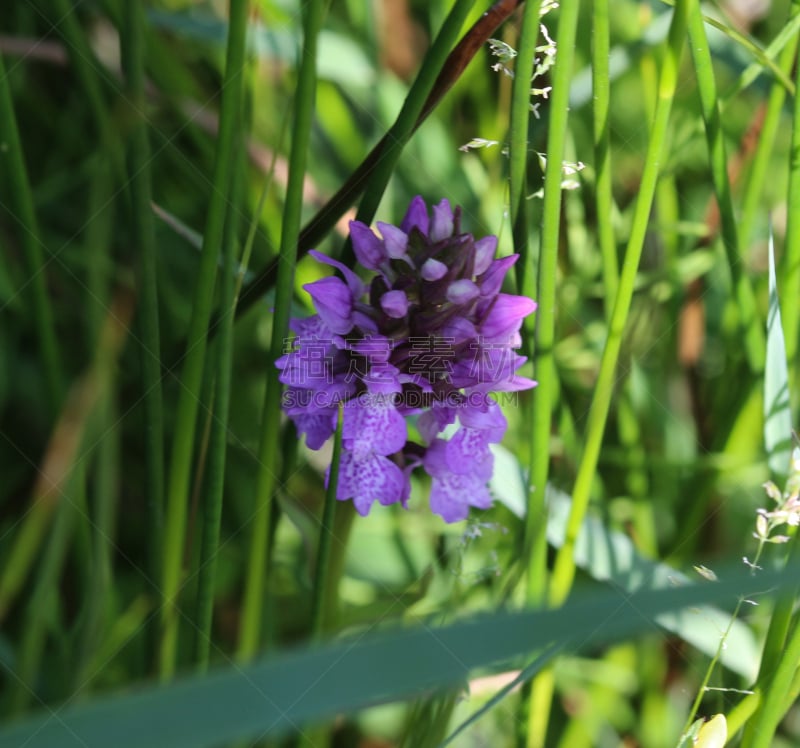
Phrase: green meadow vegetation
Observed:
(173, 569)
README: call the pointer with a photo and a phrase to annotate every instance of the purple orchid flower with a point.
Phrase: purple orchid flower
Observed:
(431, 335)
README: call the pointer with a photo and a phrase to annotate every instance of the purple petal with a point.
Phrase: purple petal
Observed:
(490, 421)
(433, 270)
(442, 222)
(395, 304)
(452, 495)
(369, 250)
(462, 291)
(432, 422)
(373, 425)
(318, 427)
(505, 317)
(394, 239)
(333, 301)
(354, 283)
(487, 366)
(416, 216)
(492, 280)
(484, 253)
(383, 379)
(370, 479)
(467, 453)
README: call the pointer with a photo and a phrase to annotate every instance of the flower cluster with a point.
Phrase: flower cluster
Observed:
(430, 336)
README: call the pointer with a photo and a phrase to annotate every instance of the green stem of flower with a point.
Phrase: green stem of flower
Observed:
(322, 576)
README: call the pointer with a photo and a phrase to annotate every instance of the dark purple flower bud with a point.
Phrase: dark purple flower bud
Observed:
(433, 270)
(394, 239)
(416, 217)
(395, 304)
(442, 222)
(462, 291)
(484, 253)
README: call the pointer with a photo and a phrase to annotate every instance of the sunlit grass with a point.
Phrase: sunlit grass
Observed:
(158, 515)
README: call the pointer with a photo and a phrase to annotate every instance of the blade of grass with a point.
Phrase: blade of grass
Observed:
(601, 101)
(39, 612)
(518, 148)
(773, 706)
(276, 694)
(763, 56)
(13, 161)
(791, 258)
(754, 186)
(539, 705)
(749, 321)
(777, 401)
(143, 238)
(564, 571)
(192, 372)
(326, 584)
(92, 75)
(259, 551)
(215, 485)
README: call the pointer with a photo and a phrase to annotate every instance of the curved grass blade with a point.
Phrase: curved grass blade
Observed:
(274, 696)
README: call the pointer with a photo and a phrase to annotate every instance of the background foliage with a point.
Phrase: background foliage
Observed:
(149, 150)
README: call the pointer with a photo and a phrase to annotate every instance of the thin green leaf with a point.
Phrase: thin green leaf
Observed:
(275, 696)
(777, 407)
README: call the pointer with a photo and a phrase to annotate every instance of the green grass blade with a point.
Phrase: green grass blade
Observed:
(543, 353)
(564, 570)
(777, 406)
(601, 99)
(751, 325)
(278, 694)
(324, 221)
(143, 237)
(192, 372)
(790, 274)
(755, 185)
(518, 150)
(13, 162)
(259, 552)
(215, 485)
